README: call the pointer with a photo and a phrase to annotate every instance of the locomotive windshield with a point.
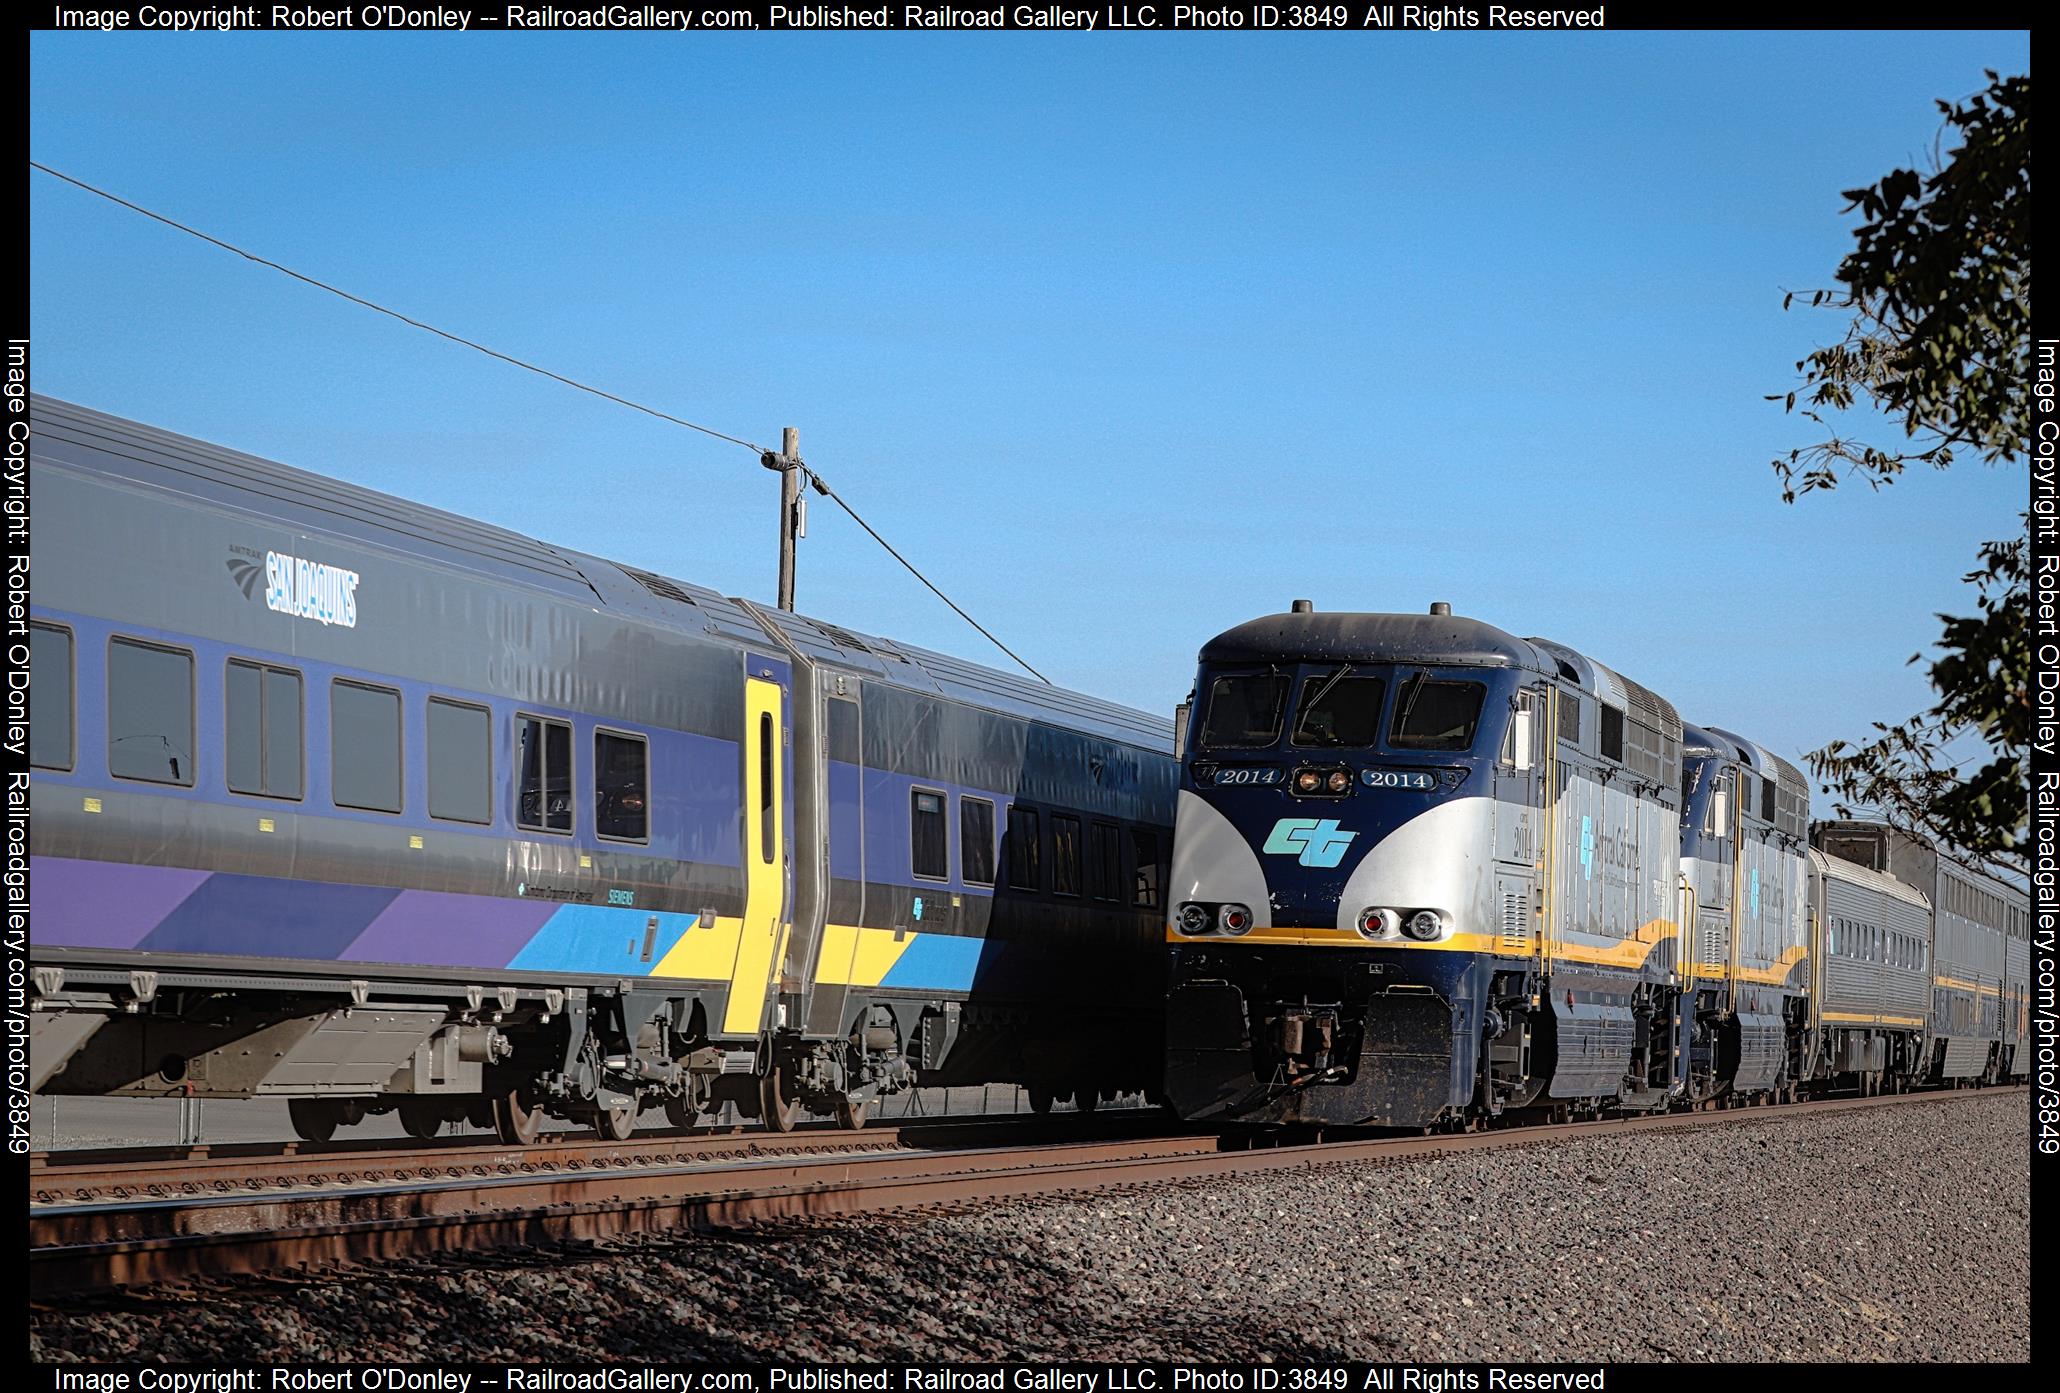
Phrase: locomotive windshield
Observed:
(1339, 711)
(1245, 711)
(1435, 714)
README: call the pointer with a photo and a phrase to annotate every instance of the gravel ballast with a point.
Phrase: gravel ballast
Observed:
(1894, 1233)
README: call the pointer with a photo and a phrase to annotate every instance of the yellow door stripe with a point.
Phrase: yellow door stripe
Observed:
(859, 957)
(758, 939)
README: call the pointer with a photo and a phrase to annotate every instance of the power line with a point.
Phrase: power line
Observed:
(391, 314)
(508, 358)
(831, 494)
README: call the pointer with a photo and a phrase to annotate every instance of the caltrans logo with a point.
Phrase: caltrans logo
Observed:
(1312, 841)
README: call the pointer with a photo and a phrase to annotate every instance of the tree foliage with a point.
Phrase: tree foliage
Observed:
(1939, 342)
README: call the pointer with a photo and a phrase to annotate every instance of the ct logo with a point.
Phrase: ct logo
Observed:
(1318, 841)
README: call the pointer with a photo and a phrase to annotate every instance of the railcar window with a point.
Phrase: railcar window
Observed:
(765, 787)
(1436, 715)
(1144, 888)
(149, 712)
(364, 747)
(1104, 862)
(622, 786)
(1570, 718)
(1244, 711)
(1339, 712)
(1021, 847)
(843, 734)
(1769, 794)
(976, 841)
(262, 717)
(930, 856)
(460, 761)
(1611, 734)
(543, 755)
(50, 696)
(1065, 854)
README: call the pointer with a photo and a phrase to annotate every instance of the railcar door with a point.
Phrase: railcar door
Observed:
(843, 765)
(761, 942)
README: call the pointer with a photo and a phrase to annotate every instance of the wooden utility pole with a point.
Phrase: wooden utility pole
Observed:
(793, 510)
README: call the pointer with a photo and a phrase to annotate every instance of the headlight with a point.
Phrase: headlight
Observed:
(1376, 923)
(1308, 781)
(1338, 781)
(1234, 919)
(1194, 919)
(1424, 925)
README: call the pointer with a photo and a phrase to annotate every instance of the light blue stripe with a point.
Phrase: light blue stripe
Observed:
(601, 938)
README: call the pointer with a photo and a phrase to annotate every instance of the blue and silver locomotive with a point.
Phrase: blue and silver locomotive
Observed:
(1424, 871)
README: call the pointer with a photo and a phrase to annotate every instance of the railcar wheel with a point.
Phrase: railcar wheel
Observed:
(682, 1113)
(1086, 1097)
(421, 1118)
(518, 1119)
(615, 1124)
(314, 1119)
(852, 1116)
(780, 1109)
(1040, 1097)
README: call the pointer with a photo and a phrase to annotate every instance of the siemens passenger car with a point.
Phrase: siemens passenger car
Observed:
(1428, 872)
(368, 806)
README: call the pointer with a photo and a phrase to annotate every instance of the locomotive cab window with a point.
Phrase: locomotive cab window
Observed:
(928, 852)
(1436, 714)
(622, 787)
(149, 712)
(1339, 711)
(543, 754)
(460, 761)
(1244, 712)
(262, 718)
(50, 696)
(364, 747)
(1020, 846)
(1065, 854)
(976, 841)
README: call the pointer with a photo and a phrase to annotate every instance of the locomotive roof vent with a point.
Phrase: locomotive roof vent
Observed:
(1441, 608)
(1300, 607)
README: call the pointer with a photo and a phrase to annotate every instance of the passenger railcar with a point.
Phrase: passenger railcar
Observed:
(1423, 870)
(372, 807)
(1872, 975)
(1973, 1007)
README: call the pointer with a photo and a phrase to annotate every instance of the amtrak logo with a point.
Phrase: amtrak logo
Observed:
(1318, 841)
(246, 574)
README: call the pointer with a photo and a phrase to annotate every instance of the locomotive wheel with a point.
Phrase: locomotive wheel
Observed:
(852, 1116)
(615, 1124)
(1040, 1097)
(314, 1119)
(518, 1119)
(421, 1118)
(780, 1109)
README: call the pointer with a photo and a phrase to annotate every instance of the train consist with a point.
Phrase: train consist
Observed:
(1427, 873)
(373, 808)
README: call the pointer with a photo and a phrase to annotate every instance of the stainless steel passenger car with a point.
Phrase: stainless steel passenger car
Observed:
(368, 806)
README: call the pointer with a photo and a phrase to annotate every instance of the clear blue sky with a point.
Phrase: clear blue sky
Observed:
(1126, 339)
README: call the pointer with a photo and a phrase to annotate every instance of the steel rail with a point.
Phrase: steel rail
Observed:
(76, 1248)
